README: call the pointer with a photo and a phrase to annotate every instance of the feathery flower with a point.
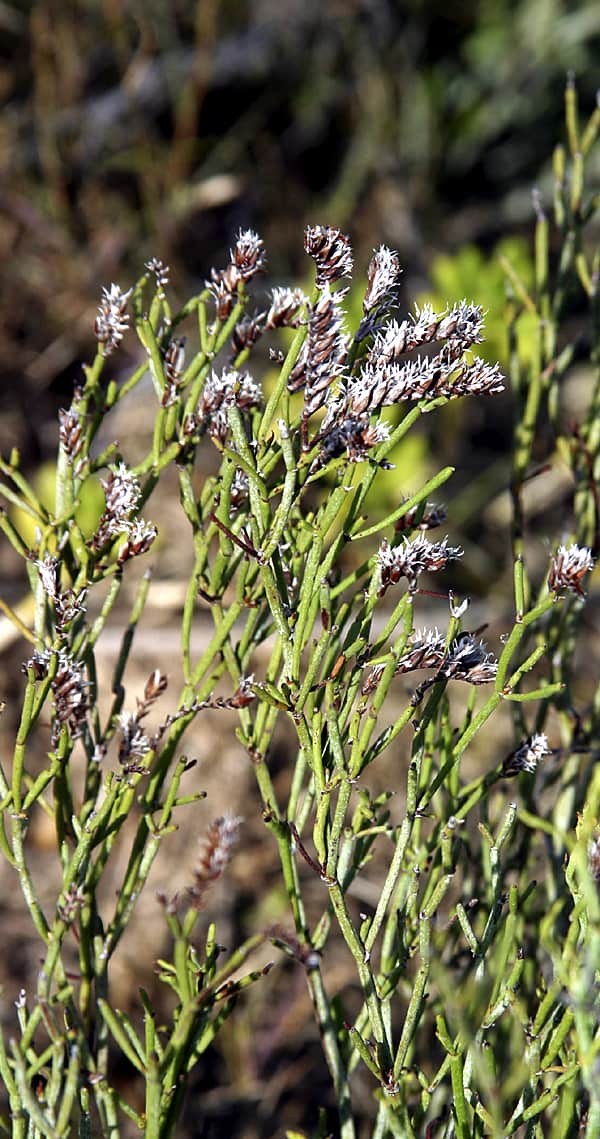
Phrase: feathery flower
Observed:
(112, 320)
(412, 558)
(383, 275)
(527, 756)
(215, 853)
(285, 307)
(140, 537)
(568, 568)
(467, 660)
(230, 389)
(134, 742)
(160, 272)
(331, 251)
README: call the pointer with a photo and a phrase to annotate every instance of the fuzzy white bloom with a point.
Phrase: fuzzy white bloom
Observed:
(48, 571)
(527, 756)
(568, 568)
(412, 558)
(112, 321)
(467, 660)
(383, 276)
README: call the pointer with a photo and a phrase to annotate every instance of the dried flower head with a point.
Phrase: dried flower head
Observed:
(67, 604)
(383, 275)
(412, 558)
(122, 493)
(331, 251)
(324, 355)
(140, 537)
(467, 660)
(69, 689)
(160, 271)
(173, 365)
(568, 568)
(70, 430)
(239, 489)
(527, 756)
(215, 852)
(248, 255)
(428, 650)
(355, 436)
(48, 571)
(230, 389)
(112, 320)
(134, 743)
(285, 308)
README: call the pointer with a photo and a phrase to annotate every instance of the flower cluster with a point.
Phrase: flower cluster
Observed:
(467, 660)
(331, 251)
(69, 689)
(325, 351)
(70, 431)
(431, 517)
(215, 853)
(67, 604)
(527, 756)
(285, 308)
(411, 558)
(230, 389)
(568, 568)
(383, 275)
(173, 365)
(382, 376)
(246, 259)
(122, 495)
(160, 272)
(112, 320)
(134, 743)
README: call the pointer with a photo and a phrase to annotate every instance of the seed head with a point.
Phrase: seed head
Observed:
(70, 431)
(428, 649)
(134, 743)
(160, 271)
(383, 275)
(331, 251)
(140, 537)
(239, 489)
(230, 389)
(412, 558)
(69, 690)
(568, 568)
(216, 850)
(326, 351)
(248, 255)
(112, 320)
(285, 307)
(354, 435)
(467, 660)
(122, 493)
(527, 756)
(432, 517)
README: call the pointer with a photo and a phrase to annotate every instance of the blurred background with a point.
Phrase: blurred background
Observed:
(158, 128)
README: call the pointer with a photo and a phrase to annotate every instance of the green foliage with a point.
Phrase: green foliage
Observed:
(475, 962)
